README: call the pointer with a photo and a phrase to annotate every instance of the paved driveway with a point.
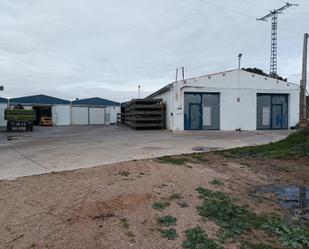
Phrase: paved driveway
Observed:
(50, 149)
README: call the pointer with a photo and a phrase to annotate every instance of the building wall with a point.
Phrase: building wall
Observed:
(114, 110)
(238, 98)
(2, 108)
(61, 115)
(167, 100)
(84, 115)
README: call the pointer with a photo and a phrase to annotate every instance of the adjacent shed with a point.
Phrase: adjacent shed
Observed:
(3, 106)
(230, 100)
(46, 106)
(94, 111)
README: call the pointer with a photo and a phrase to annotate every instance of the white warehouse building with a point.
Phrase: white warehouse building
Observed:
(230, 100)
(94, 111)
(46, 106)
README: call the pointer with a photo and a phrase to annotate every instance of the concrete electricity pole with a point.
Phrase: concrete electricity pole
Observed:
(303, 84)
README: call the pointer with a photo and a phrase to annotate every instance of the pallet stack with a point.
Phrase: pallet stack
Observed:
(145, 114)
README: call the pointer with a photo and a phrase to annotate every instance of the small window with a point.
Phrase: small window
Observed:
(266, 116)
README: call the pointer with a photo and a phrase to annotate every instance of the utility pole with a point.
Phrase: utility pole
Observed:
(303, 84)
(274, 35)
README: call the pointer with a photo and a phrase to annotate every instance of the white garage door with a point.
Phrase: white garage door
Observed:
(97, 115)
(79, 115)
(2, 108)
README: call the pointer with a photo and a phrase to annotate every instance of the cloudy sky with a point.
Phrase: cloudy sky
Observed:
(105, 48)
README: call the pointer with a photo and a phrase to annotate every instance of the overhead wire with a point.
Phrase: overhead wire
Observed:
(254, 4)
(228, 9)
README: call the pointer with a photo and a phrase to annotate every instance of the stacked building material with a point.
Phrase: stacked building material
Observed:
(145, 114)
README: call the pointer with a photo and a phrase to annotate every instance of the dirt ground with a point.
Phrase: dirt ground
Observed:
(111, 206)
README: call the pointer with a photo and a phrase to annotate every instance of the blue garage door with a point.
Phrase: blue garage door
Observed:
(272, 111)
(202, 111)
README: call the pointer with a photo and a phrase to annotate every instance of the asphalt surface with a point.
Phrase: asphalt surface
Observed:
(51, 149)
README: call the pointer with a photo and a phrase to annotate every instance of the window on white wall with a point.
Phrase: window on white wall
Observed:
(266, 116)
(206, 115)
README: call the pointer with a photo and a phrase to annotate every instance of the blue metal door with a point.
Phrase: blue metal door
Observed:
(272, 111)
(195, 117)
(277, 116)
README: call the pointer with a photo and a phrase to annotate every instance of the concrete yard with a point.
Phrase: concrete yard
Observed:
(51, 149)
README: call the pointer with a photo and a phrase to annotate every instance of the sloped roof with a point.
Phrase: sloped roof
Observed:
(95, 102)
(40, 99)
(168, 86)
(3, 100)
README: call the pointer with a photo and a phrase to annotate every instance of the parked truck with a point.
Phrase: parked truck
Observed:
(18, 117)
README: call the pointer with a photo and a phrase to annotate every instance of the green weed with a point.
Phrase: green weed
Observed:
(248, 245)
(124, 223)
(160, 205)
(235, 219)
(199, 157)
(295, 145)
(169, 234)
(124, 173)
(167, 221)
(217, 182)
(172, 160)
(198, 239)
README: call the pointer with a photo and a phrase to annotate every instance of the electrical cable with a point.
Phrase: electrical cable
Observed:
(228, 9)
(253, 4)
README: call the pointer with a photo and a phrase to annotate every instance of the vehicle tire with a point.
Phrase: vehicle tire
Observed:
(8, 126)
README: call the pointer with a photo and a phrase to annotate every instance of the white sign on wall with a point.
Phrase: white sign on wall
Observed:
(206, 116)
(266, 116)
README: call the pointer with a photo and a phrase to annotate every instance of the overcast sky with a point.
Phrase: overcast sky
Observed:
(105, 48)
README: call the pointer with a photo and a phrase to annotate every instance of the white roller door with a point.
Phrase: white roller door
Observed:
(80, 115)
(2, 108)
(96, 115)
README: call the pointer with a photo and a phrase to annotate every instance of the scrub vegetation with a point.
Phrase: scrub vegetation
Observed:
(195, 158)
(168, 207)
(196, 238)
(235, 220)
(217, 182)
(124, 173)
(170, 234)
(160, 205)
(167, 221)
(295, 145)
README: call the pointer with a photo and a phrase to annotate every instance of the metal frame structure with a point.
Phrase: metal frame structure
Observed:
(274, 35)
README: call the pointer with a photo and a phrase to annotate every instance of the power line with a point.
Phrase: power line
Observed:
(254, 4)
(228, 9)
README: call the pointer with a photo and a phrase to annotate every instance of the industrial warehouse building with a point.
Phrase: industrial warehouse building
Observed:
(3, 105)
(230, 100)
(63, 112)
(94, 111)
(46, 106)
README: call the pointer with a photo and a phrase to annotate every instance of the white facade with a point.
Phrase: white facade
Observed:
(61, 114)
(238, 91)
(94, 115)
(3, 106)
(79, 115)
